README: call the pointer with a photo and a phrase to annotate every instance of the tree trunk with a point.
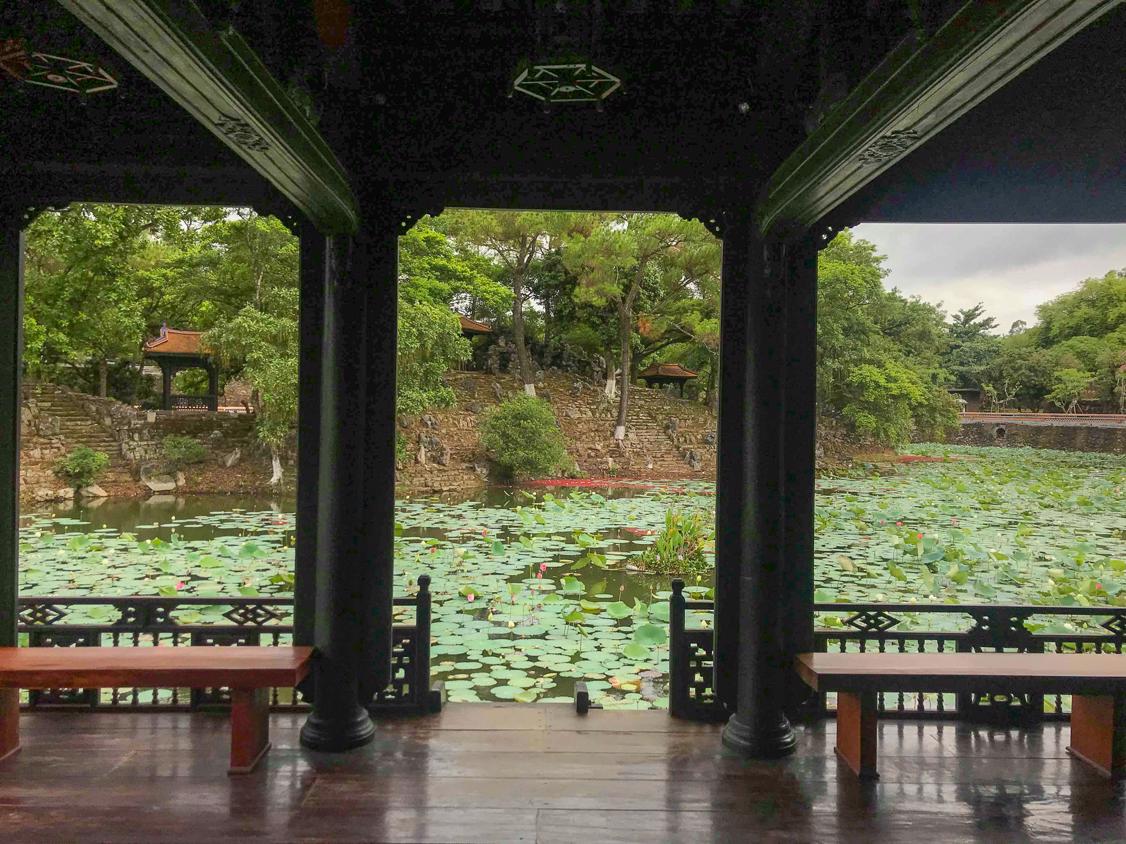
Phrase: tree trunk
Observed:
(103, 378)
(276, 465)
(527, 377)
(624, 332)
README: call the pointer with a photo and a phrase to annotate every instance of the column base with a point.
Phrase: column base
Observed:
(332, 735)
(773, 742)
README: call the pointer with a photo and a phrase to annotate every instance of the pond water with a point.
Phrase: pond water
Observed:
(532, 590)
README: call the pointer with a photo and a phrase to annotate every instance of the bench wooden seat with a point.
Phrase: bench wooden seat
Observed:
(1097, 683)
(249, 672)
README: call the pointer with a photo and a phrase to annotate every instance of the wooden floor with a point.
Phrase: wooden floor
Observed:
(499, 773)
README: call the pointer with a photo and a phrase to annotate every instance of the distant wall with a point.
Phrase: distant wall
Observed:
(1058, 435)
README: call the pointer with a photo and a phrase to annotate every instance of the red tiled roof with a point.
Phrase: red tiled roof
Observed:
(172, 341)
(666, 370)
(471, 326)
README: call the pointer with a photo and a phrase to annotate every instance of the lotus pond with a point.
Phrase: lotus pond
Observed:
(533, 588)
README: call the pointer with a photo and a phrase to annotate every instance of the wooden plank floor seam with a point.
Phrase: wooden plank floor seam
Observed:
(543, 775)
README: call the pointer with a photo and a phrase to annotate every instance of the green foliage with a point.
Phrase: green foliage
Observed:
(1068, 387)
(972, 346)
(261, 343)
(1080, 331)
(523, 438)
(878, 353)
(430, 343)
(182, 451)
(682, 547)
(82, 466)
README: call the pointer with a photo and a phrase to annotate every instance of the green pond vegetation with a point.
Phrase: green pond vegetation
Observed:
(534, 590)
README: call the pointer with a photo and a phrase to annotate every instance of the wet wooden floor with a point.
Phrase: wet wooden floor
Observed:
(500, 773)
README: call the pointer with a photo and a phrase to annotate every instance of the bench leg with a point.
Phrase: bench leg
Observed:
(856, 732)
(9, 722)
(1098, 732)
(250, 728)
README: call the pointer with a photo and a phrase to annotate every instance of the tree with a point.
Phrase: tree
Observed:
(84, 268)
(972, 346)
(1080, 331)
(262, 341)
(515, 240)
(435, 268)
(616, 256)
(1068, 388)
(878, 353)
(430, 342)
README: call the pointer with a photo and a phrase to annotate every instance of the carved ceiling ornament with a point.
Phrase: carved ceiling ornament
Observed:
(51, 71)
(566, 83)
(889, 146)
(242, 133)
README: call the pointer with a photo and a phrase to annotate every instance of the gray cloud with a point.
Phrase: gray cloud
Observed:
(1010, 268)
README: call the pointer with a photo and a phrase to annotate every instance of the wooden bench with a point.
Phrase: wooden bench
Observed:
(249, 672)
(1097, 683)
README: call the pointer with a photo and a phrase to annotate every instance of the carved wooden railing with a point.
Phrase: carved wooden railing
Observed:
(93, 621)
(910, 628)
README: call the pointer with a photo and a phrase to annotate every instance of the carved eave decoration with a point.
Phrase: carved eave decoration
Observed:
(219, 80)
(920, 88)
(563, 82)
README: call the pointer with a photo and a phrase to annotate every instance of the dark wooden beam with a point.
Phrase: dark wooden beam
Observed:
(60, 184)
(12, 223)
(219, 80)
(919, 89)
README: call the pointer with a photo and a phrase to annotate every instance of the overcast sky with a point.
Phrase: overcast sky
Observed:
(1011, 268)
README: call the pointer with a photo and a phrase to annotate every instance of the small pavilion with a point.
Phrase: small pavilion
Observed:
(657, 374)
(176, 351)
(471, 328)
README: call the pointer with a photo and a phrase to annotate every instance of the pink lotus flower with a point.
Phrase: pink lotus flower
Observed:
(180, 585)
(920, 536)
(543, 566)
(471, 597)
(899, 524)
(539, 575)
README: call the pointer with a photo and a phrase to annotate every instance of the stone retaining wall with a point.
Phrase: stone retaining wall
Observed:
(1056, 434)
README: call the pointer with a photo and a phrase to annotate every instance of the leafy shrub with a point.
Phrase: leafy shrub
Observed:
(183, 451)
(82, 466)
(522, 437)
(680, 548)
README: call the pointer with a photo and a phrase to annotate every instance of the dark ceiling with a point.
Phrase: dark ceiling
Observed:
(1049, 146)
(122, 140)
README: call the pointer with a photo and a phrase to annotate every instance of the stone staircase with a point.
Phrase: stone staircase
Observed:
(62, 416)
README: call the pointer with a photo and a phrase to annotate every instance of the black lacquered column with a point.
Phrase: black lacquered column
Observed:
(11, 351)
(311, 330)
(759, 727)
(730, 489)
(343, 599)
(379, 453)
(800, 452)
